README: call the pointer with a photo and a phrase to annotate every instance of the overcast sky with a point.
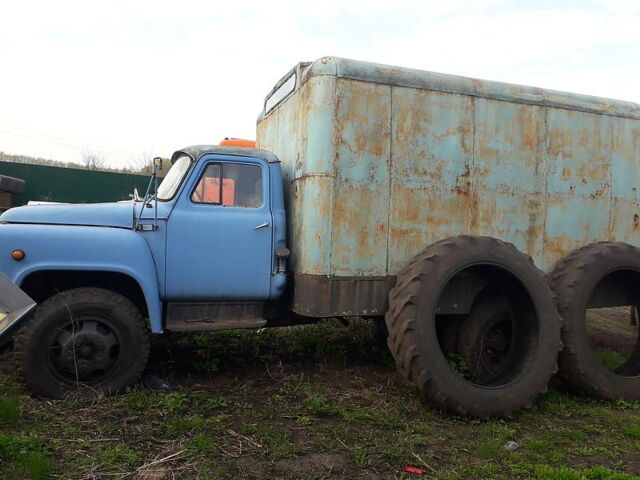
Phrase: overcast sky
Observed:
(132, 79)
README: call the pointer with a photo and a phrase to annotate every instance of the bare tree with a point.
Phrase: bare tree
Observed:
(93, 160)
(144, 165)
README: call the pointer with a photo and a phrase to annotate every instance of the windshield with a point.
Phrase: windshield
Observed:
(172, 180)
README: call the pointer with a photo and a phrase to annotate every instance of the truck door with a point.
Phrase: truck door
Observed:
(219, 235)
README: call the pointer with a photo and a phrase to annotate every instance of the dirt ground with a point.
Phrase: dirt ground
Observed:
(319, 401)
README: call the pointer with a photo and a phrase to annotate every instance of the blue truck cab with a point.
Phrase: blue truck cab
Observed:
(205, 252)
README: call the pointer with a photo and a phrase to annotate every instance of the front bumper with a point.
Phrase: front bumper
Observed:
(15, 306)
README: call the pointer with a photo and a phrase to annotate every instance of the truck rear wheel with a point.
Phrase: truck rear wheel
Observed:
(419, 352)
(600, 357)
(85, 340)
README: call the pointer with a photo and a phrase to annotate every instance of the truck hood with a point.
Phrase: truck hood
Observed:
(118, 214)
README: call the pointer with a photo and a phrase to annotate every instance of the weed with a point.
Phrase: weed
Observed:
(361, 457)
(174, 402)
(37, 465)
(27, 453)
(459, 364)
(546, 472)
(119, 456)
(304, 420)
(610, 359)
(633, 430)
(318, 405)
(275, 444)
(185, 425)
(9, 409)
(202, 443)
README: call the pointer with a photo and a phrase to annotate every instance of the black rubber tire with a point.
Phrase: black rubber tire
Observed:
(33, 342)
(473, 332)
(573, 280)
(448, 332)
(413, 339)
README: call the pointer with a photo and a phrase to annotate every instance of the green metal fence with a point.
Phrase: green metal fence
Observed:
(57, 184)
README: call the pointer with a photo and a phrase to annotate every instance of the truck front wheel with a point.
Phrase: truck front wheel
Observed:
(85, 340)
(514, 318)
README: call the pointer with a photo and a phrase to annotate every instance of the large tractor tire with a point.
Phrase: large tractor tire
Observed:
(418, 352)
(578, 281)
(85, 340)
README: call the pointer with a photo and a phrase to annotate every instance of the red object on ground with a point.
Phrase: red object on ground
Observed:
(418, 471)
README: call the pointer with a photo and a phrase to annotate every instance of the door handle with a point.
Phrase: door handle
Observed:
(262, 225)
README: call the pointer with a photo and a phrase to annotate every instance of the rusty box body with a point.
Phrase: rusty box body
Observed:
(380, 162)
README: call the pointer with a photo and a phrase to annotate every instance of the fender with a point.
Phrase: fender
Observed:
(64, 247)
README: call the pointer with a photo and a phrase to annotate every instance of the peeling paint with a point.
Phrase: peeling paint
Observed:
(382, 162)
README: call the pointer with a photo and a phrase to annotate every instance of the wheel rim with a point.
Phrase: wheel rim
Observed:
(495, 349)
(85, 350)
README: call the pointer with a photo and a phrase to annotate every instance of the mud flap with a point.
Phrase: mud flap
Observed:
(15, 305)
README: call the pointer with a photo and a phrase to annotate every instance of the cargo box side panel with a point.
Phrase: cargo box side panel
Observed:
(578, 182)
(431, 159)
(301, 132)
(508, 175)
(361, 201)
(625, 176)
(313, 183)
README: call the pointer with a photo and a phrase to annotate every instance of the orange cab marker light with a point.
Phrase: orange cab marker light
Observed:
(238, 142)
(17, 255)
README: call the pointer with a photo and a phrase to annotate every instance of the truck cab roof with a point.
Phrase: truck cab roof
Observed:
(197, 151)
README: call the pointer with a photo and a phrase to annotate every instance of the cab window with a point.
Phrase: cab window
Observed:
(241, 185)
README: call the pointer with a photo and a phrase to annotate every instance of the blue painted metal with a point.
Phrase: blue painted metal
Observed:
(99, 214)
(214, 251)
(382, 161)
(196, 252)
(62, 247)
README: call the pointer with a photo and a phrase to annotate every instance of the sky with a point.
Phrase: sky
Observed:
(129, 80)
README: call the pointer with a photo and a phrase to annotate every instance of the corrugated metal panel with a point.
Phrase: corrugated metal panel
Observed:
(432, 157)
(382, 171)
(508, 178)
(361, 199)
(625, 172)
(578, 179)
(57, 184)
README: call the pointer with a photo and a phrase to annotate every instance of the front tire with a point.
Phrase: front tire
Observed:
(86, 340)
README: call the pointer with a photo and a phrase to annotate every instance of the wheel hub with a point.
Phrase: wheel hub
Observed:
(496, 345)
(84, 350)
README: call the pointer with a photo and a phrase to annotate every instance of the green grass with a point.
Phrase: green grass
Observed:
(302, 403)
(610, 358)
(9, 409)
(633, 430)
(24, 457)
(596, 473)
